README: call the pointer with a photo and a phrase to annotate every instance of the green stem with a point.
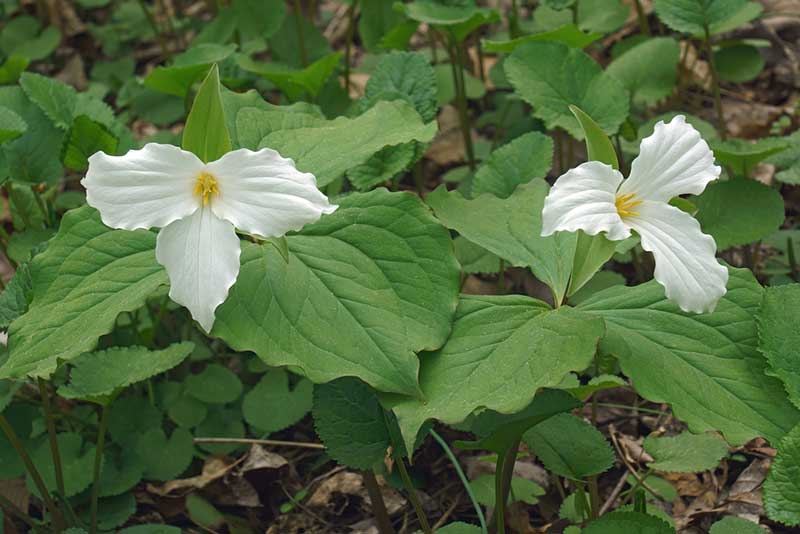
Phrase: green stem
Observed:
(502, 480)
(419, 178)
(301, 41)
(98, 462)
(413, 497)
(37, 478)
(723, 131)
(793, 270)
(463, 479)
(42, 207)
(640, 480)
(51, 433)
(382, 519)
(461, 99)
(162, 42)
(594, 497)
(633, 408)
(351, 16)
(643, 24)
(513, 20)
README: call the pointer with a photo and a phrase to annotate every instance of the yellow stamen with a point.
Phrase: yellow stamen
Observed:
(625, 204)
(205, 187)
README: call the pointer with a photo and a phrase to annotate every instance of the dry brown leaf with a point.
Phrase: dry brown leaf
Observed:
(214, 468)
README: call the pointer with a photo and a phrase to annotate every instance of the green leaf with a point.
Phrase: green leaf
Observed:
(648, 71)
(329, 148)
(221, 423)
(216, 384)
(459, 528)
(57, 100)
(461, 20)
(748, 12)
(151, 529)
(165, 459)
(693, 16)
(707, 367)
(205, 133)
(100, 374)
(21, 244)
(294, 82)
(77, 463)
(73, 291)
(628, 522)
(511, 229)
(685, 453)
(526, 158)
(782, 487)
(186, 411)
(569, 35)
(11, 125)
(21, 37)
(112, 511)
(602, 16)
(598, 145)
(364, 289)
(203, 513)
(788, 161)
(12, 68)
(742, 155)
(284, 46)
(738, 63)
(446, 92)
(384, 165)
(84, 138)
(501, 350)
(350, 421)
(473, 258)
(735, 525)
(522, 490)
(570, 447)
(187, 68)
(271, 406)
(377, 19)
(739, 211)
(408, 74)
(779, 337)
(258, 18)
(130, 417)
(597, 383)
(552, 76)
(121, 472)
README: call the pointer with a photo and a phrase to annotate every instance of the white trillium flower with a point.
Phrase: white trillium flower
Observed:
(675, 160)
(199, 206)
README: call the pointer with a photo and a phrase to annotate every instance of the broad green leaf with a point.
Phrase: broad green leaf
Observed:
(398, 37)
(782, 487)
(598, 145)
(570, 447)
(446, 92)
(408, 74)
(12, 68)
(695, 16)
(648, 71)
(112, 512)
(272, 406)
(203, 513)
(569, 35)
(707, 367)
(22, 36)
(187, 68)
(330, 148)
(602, 16)
(187, 411)
(501, 350)
(742, 155)
(558, 4)
(511, 229)
(735, 525)
(256, 19)
(121, 472)
(738, 63)
(74, 290)
(461, 19)
(221, 423)
(384, 165)
(552, 76)
(746, 13)
(284, 46)
(522, 490)
(377, 18)
(11, 125)
(779, 337)
(205, 133)
(473, 258)
(84, 138)
(685, 453)
(788, 161)
(151, 529)
(628, 522)
(56, 99)
(250, 118)
(77, 461)
(739, 211)
(216, 384)
(350, 422)
(459, 528)
(7, 391)
(526, 158)
(101, 373)
(130, 417)
(22, 244)
(165, 458)
(597, 383)
(364, 289)
(295, 82)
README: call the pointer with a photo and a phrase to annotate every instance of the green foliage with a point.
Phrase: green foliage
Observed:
(351, 422)
(527, 157)
(739, 211)
(272, 406)
(187, 68)
(782, 487)
(779, 338)
(742, 155)
(738, 63)
(569, 35)
(23, 37)
(458, 19)
(164, 458)
(406, 75)
(693, 17)
(77, 461)
(552, 76)
(685, 453)
(735, 525)
(522, 490)
(54, 98)
(629, 522)
(83, 139)
(473, 258)
(707, 367)
(205, 134)
(216, 384)
(14, 299)
(295, 82)
(649, 70)
(459, 528)
(394, 297)
(11, 125)
(377, 19)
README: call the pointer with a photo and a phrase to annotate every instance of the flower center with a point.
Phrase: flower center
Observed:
(625, 205)
(205, 187)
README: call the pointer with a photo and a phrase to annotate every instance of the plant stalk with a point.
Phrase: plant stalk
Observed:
(644, 26)
(98, 462)
(723, 131)
(461, 99)
(412, 496)
(378, 506)
(301, 42)
(502, 480)
(348, 50)
(151, 20)
(51, 433)
(513, 20)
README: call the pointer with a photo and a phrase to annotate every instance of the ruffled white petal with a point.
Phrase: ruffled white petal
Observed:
(146, 188)
(673, 161)
(201, 255)
(583, 199)
(263, 193)
(685, 257)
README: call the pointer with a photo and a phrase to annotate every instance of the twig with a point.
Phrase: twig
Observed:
(447, 513)
(639, 479)
(268, 442)
(378, 506)
(412, 496)
(614, 493)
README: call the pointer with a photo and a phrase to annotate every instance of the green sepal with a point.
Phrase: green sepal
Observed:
(205, 133)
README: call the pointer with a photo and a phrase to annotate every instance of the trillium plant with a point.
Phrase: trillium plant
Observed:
(263, 261)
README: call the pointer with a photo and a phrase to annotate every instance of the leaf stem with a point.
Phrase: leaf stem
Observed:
(412, 496)
(348, 50)
(456, 56)
(502, 481)
(98, 462)
(51, 433)
(513, 20)
(643, 24)
(37, 478)
(378, 505)
(301, 42)
(463, 479)
(156, 30)
(723, 131)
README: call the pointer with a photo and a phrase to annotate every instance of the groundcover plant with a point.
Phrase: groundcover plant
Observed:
(387, 267)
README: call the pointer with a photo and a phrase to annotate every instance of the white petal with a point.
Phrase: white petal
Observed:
(583, 199)
(263, 193)
(144, 188)
(201, 255)
(685, 257)
(673, 161)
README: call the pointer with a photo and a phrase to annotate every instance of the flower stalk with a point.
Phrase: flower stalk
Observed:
(98, 463)
(51, 433)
